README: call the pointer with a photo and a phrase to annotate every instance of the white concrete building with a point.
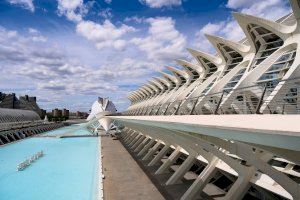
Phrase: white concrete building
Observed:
(101, 108)
(225, 126)
(233, 80)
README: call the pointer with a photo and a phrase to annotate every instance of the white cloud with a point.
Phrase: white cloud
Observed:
(269, 9)
(72, 9)
(235, 4)
(32, 31)
(36, 35)
(135, 19)
(161, 3)
(164, 42)
(229, 28)
(27, 4)
(106, 13)
(108, 1)
(104, 35)
(46, 70)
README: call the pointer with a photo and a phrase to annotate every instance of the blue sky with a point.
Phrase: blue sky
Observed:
(69, 52)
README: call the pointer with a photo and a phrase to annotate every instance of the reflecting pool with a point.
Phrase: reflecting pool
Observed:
(68, 170)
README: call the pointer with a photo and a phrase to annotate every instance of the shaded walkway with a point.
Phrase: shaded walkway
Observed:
(124, 179)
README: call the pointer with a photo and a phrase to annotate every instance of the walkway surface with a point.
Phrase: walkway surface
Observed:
(124, 179)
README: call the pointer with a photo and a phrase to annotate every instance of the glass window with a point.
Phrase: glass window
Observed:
(283, 58)
(270, 76)
(297, 167)
(261, 30)
(276, 66)
(258, 61)
(278, 163)
(274, 44)
(270, 38)
(258, 44)
(234, 54)
(228, 49)
(267, 53)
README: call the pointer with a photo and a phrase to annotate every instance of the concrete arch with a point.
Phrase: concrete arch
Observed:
(236, 191)
(281, 30)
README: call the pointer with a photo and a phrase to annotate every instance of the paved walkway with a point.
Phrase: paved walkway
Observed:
(124, 179)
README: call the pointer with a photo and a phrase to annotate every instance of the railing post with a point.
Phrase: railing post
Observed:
(219, 103)
(167, 109)
(261, 99)
(194, 106)
(157, 110)
(145, 111)
(177, 109)
(283, 109)
(151, 109)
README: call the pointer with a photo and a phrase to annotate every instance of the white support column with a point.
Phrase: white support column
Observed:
(12, 135)
(146, 147)
(141, 145)
(241, 185)
(130, 138)
(152, 151)
(171, 159)
(160, 154)
(99, 125)
(135, 138)
(183, 169)
(124, 133)
(201, 181)
(126, 141)
(7, 139)
(138, 142)
(19, 136)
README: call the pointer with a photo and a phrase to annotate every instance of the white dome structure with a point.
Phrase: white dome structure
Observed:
(100, 109)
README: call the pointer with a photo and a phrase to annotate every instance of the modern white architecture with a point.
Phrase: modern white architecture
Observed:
(225, 126)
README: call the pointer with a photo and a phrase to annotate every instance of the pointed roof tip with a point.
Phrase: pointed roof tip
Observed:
(209, 35)
(234, 13)
(170, 68)
(190, 49)
(252, 18)
(196, 52)
(165, 74)
(242, 48)
(239, 16)
(179, 61)
(193, 51)
(215, 37)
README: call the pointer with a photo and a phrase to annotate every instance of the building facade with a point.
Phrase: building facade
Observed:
(256, 75)
(184, 125)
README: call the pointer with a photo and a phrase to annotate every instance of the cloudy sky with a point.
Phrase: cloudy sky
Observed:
(69, 52)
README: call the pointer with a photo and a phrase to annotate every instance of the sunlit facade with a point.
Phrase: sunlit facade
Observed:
(255, 75)
(224, 125)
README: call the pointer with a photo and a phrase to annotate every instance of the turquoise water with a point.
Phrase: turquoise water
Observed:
(70, 130)
(68, 170)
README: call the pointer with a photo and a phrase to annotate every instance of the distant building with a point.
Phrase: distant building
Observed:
(24, 103)
(56, 112)
(81, 115)
(65, 113)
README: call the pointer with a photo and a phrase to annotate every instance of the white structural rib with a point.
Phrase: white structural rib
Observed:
(218, 115)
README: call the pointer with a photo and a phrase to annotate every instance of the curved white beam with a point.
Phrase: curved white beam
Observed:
(240, 48)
